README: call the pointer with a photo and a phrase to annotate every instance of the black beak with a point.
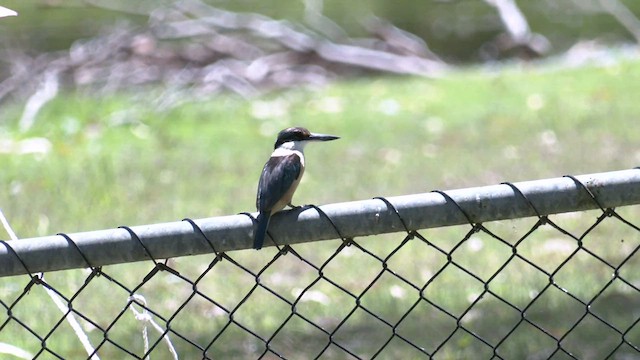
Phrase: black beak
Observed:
(322, 137)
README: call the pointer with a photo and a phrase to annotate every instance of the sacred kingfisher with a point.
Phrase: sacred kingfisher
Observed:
(281, 176)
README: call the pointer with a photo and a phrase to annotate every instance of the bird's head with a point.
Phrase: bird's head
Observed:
(299, 136)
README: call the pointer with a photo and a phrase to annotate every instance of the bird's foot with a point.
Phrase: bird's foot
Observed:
(293, 207)
(300, 208)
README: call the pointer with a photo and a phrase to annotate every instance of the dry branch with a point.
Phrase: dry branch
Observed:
(517, 36)
(195, 46)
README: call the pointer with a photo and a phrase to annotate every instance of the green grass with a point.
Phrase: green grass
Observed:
(118, 160)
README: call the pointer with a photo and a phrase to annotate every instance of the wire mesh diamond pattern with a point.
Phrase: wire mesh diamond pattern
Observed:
(557, 286)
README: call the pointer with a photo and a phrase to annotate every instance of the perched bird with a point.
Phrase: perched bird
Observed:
(281, 176)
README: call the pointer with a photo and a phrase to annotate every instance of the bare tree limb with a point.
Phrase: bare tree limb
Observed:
(623, 15)
(379, 60)
(518, 32)
(191, 45)
(314, 17)
(47, 91)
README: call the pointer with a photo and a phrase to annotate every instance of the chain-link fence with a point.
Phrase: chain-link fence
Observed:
(560, 284)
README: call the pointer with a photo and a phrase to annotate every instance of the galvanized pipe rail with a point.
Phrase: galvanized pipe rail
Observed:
(353, 219)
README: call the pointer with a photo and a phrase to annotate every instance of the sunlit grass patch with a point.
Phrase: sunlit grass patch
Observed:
(117, 160)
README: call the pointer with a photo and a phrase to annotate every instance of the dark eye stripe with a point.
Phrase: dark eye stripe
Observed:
(292, 134)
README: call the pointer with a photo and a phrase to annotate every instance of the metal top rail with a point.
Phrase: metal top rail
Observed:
(353, 219)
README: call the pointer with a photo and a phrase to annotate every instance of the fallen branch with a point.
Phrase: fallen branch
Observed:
(623, 15)
(46, 92)
(195, 46)
(518, 35)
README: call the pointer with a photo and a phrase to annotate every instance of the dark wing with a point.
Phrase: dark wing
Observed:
(277, 176)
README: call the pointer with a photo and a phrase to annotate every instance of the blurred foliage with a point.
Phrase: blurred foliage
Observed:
(454, 29)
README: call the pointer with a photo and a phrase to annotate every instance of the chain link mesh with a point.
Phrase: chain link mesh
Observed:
(559, 286)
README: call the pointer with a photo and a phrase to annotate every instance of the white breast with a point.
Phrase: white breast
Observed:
(289, 148)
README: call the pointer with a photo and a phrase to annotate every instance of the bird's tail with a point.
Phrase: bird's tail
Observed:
(261, 230)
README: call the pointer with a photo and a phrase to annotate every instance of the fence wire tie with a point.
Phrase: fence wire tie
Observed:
(285, 250)
(253, 221)
(199, 231)
(35, 279)
(583, 186)
(134, 236)
(395, 210)
(320, 211)
(145, 317)
(450, 199)
(160, 266)
(96, 270)
(529, 202)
